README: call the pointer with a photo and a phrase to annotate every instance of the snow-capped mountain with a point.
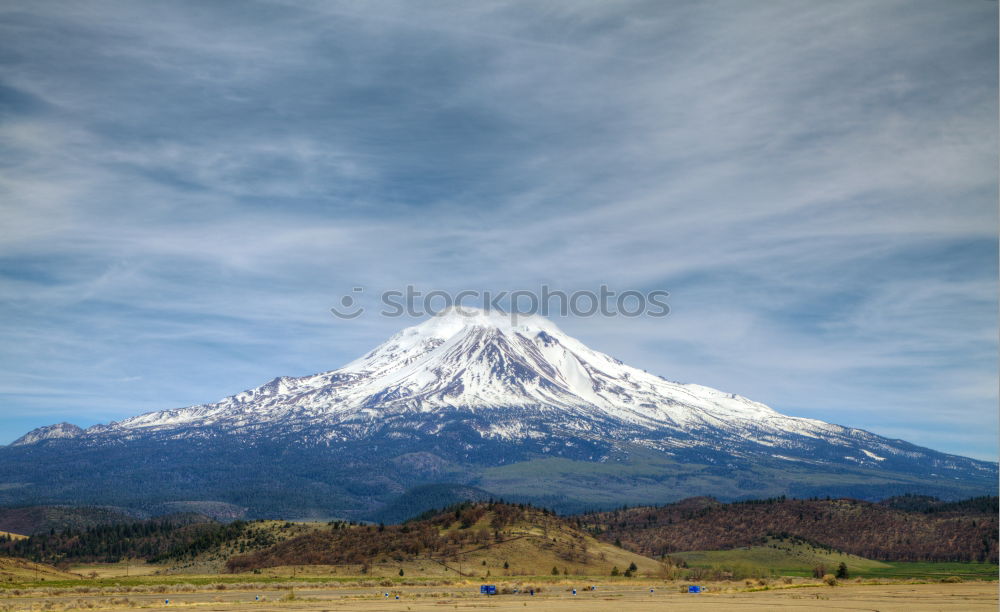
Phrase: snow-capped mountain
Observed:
(510, 373)
(469, 387)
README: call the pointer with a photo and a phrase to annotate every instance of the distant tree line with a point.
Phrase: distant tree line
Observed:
(152, 540)
(929, 531)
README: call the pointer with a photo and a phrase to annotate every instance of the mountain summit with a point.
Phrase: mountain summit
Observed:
(482, 363)
(481, 398)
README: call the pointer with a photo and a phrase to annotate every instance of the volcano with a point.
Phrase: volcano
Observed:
(470, 400)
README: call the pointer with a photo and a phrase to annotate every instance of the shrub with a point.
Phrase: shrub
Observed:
(830, 580)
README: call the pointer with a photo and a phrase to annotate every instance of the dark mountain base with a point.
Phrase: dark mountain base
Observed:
(229, 477)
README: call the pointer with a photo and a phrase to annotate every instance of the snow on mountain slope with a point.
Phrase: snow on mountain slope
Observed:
(477, 361)
(514, 381)
(49, 432)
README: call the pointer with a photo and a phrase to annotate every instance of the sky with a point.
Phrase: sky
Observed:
(186, 188)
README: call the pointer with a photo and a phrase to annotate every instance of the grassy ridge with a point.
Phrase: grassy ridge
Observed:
(785, 557)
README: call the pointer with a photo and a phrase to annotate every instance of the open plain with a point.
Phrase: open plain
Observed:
(908, 597)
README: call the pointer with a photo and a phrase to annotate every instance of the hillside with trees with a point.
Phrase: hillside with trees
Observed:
(930, 531)
(467, 539)
(150, 540)
(183, 541)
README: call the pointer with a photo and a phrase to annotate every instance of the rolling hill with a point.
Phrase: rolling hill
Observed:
(472, 539)
(16, 570)
(781, 555)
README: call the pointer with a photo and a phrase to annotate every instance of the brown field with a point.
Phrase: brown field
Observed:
(966, 597)
(114, 570)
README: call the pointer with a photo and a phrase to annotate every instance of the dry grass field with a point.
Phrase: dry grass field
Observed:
(115, 570)
(901, 597)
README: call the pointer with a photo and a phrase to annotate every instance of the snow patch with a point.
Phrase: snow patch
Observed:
(873, 455)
